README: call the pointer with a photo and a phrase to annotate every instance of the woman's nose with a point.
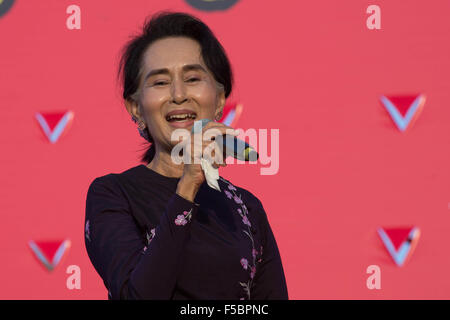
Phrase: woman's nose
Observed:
(178, 91)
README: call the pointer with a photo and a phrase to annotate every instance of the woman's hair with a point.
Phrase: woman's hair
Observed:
(167, 24)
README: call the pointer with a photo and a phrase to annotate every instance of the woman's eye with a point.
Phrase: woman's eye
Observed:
(162, 83)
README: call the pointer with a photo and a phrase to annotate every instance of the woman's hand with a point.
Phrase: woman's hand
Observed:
(193, 175)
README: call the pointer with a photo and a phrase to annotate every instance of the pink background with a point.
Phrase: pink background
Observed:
(311, 69)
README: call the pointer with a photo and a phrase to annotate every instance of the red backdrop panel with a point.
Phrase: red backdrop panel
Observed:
(311, 69)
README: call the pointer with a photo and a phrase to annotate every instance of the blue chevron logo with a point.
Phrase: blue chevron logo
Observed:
(54, 124)
(403, 110)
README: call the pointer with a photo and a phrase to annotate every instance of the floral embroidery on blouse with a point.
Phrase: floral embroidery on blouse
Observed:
(246, 221)
(237, 200)
(87, 232)
(149, 238)
(151, 235)
(243, 212)
(244, 263)
(228, 194)
(182, 219)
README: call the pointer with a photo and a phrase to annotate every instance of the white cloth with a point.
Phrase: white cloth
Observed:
(211, 174)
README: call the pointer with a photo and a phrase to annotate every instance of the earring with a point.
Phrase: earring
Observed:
(142, 128)
(141, 125)
(219, 116)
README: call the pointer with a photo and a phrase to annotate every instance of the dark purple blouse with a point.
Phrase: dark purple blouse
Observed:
(147, 242)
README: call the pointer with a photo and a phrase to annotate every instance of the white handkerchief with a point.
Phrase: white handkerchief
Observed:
(211, 174)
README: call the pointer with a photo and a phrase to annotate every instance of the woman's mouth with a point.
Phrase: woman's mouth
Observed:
(181, 120)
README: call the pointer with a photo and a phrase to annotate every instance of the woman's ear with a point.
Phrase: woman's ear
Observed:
(220, 105)
(133, 108)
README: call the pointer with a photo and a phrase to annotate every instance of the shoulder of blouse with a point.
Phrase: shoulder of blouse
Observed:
(105, 180)
(115, 179)
(106, 184)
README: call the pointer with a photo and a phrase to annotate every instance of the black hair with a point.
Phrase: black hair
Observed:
(166, 24)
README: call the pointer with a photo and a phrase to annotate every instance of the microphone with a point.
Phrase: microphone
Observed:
(230, 145)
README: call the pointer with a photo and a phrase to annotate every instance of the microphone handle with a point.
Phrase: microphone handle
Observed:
(237, 148)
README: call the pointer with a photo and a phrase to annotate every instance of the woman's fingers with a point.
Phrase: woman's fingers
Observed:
(206, 146)
(216, 165)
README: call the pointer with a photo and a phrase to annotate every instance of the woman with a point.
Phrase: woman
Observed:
(158, 231)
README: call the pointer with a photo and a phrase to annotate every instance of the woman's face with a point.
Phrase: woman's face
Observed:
(175, 77)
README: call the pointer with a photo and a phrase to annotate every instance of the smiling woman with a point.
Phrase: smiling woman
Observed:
(158, 231)
(195, 56)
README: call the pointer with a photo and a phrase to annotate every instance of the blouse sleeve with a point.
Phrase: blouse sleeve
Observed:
(116, 246)
(270, 282)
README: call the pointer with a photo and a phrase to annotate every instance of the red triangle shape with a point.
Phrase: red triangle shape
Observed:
(398, 235)
(402, 103)
(53, 118)
(49, 248)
